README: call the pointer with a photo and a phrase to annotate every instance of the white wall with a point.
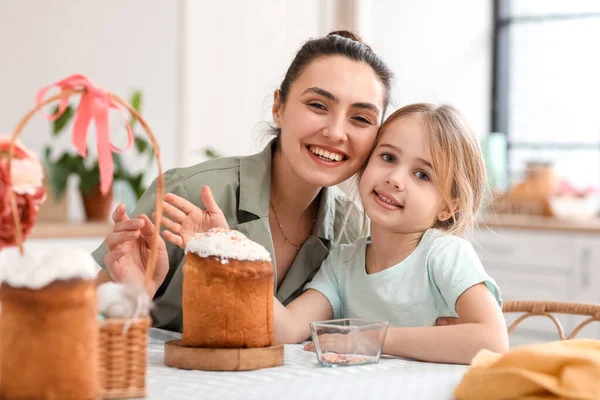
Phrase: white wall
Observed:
(440, 51)
(120, 45)
(208, 69)
(236, 54)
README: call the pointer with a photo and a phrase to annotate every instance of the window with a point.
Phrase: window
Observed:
(547, 86)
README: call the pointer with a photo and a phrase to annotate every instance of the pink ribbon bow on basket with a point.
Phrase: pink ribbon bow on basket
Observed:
(95, 105)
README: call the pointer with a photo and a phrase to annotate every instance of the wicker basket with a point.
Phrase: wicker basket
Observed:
(122, 343)
(123, 358)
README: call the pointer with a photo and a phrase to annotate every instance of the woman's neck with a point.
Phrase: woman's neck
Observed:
(294, 196)
(389, 248)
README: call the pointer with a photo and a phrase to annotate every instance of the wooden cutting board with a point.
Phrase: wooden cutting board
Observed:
(179, 356)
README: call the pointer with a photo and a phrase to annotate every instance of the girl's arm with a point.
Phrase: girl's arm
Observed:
(483, 328)
(292, 322)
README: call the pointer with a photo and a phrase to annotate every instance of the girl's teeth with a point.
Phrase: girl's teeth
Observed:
(388, 201)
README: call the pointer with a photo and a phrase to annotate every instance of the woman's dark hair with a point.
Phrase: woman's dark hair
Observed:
(337, 43)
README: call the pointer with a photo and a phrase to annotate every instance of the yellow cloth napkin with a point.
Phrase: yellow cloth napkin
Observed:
(566, 369)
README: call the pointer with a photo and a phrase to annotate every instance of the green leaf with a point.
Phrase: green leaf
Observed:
(136, 100)
(78, 165)
(136, 103)
(210, 153)
(89, 179)
(47, 155)
(60, 123)
(139, 191)
(119, 167)
(59, 172)
(141, 144)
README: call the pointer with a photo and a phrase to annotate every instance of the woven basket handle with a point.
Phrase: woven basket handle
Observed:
(160, 188)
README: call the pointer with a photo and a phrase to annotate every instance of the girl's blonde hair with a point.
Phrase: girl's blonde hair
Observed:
(456, 159)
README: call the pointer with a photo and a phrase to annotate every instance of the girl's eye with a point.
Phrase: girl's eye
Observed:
(422, 175)
(318, 106)
(388, 158)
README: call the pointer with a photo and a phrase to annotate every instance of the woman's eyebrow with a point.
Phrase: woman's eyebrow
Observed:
(368, 106)
(321, 92)
(331, 96)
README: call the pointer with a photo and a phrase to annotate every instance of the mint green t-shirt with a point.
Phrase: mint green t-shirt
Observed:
(412, 293)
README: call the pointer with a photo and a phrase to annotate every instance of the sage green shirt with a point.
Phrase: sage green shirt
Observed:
(241, 188)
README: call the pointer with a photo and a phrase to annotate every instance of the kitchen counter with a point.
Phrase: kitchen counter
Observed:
(45, 230)
(525, 222)
(48, 230)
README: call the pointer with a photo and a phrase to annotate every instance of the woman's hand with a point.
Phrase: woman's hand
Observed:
(186, 219)
(129, 246)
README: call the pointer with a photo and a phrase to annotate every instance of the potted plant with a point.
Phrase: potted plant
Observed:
(97, 207)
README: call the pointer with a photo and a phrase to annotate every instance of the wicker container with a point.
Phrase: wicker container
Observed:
(123, 357)
(121, 344)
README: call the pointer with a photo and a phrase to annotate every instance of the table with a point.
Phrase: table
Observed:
(301, 377)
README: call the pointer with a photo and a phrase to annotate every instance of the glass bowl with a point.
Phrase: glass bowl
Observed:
(348, 341)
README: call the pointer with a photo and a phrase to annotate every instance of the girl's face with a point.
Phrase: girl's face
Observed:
(329, 120)
(399, 188)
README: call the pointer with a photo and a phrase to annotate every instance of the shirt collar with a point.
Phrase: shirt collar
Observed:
(324, 223)
(255, 181)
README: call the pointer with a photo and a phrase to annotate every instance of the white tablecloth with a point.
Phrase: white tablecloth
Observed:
(301, 377)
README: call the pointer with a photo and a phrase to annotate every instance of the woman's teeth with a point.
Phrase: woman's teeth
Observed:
(326, 155)
(388, 201)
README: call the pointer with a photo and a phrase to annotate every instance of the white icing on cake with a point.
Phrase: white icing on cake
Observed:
(39, 268)
(123, 300)
(227, 244)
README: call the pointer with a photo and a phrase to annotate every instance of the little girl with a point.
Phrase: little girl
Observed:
(421, 188)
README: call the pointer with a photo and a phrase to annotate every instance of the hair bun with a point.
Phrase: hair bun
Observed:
(349, 35)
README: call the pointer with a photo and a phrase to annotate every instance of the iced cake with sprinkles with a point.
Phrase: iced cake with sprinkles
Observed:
(226, 244)
(228, 289)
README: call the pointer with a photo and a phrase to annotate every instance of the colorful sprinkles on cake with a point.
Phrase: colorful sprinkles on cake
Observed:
(226, 244)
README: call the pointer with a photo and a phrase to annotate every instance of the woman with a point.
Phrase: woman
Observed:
(327, 113)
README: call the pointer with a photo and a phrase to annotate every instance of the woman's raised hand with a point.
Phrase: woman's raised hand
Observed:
(184, 219)
(129, 246)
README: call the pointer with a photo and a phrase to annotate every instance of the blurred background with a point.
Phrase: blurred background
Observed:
(208, 69)
(524, 72)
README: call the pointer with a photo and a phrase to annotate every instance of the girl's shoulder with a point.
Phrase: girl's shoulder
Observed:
(349, 252)
(436, 241)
